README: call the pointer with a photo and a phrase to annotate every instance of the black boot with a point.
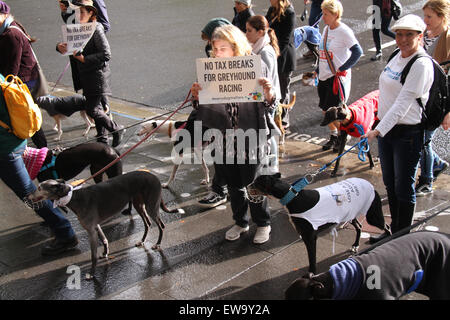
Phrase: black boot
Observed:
(377, 56)
(331, 143)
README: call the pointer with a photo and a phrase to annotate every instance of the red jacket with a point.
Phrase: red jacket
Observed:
(16, 56)
(364, 113)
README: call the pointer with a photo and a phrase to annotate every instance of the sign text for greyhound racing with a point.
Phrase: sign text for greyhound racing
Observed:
(77, 35)
(225, 80)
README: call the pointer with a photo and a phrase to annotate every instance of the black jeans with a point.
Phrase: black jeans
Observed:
(385, 22)
(238, 176)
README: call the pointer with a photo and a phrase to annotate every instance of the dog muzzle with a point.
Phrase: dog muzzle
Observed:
(32, 204)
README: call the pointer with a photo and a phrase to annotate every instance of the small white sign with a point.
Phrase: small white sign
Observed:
(77, 36)
(226, 80)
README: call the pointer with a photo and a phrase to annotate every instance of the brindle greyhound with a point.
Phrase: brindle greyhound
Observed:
(306, 200)
(97, 203)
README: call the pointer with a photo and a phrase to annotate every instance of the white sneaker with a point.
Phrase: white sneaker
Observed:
(262, 235)
(235, 232)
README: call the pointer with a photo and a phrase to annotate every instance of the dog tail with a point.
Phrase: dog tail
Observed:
(290, 104)
(165, 209)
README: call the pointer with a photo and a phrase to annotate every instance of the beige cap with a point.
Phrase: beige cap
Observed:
(409, 22)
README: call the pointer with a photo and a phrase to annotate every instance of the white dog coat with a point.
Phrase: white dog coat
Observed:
(340, 202)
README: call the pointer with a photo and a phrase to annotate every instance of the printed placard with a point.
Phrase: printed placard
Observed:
(77, 35)
(226, 80)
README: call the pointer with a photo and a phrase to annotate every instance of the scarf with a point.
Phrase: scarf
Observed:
(260, 43)
(62, 202)
(6, 24)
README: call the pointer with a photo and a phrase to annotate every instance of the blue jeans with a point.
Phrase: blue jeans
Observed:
(15, 176)
(315, 13)
(399, 153)
(429, 159)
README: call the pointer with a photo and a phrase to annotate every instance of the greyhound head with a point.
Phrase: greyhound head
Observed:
(51, 190)
(305, 288)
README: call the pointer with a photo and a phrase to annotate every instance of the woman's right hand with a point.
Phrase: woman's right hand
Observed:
(195, 89)
(62, 47)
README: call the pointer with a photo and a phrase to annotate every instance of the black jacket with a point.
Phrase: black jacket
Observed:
(94, 74)
(284, 29)
(240, 19)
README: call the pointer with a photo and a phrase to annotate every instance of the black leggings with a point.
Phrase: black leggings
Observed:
(94, 109)
(385, 22)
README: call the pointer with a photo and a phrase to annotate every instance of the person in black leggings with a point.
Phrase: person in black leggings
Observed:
(386, 17)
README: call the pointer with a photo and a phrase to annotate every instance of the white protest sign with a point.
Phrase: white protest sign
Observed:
(225, 80)
(77, 35)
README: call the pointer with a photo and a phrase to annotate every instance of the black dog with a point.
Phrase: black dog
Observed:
(355, 194)
(70, 162)
(418, 261)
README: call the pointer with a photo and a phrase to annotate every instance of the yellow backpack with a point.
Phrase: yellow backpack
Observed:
(25, 115)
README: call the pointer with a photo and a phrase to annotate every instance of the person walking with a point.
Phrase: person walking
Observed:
(437, 44)
(383, 17)
(399, 132)
(14, 174)
(17, 58)
(281, 18)
(92, 65)
(228, 41)
(339, 51)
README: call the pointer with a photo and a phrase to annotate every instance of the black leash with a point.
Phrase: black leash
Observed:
(402, 232)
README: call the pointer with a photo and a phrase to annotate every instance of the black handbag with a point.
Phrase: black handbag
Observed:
(396, 9)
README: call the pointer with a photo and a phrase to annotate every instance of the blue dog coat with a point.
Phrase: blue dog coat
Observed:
(308, 34)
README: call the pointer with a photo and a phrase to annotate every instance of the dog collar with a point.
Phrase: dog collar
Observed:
(294, 190)
(62, 202)
(50, 165)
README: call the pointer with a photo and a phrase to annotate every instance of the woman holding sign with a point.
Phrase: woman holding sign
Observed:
(92, 65)
(228, 41)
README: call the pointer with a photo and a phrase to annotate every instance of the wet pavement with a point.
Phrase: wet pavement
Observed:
(196, 262)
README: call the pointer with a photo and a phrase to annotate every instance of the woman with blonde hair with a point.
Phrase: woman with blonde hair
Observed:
(340, 45)
(281, 18)
(437, 44)
(228, 41)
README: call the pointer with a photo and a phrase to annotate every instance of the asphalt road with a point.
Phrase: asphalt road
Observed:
(155, 43)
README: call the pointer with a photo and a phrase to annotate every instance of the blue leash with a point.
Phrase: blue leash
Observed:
(300, 184)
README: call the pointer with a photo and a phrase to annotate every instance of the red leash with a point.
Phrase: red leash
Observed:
(137, 144)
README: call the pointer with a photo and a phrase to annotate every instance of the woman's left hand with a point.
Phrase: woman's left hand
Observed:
(78, 55)
(268, 89)
(372, 134)
(446, 122)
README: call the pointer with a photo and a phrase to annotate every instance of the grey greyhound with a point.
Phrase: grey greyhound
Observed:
(96, 203)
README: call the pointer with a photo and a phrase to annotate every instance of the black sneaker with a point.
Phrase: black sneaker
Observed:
(213, 199)
(59, 246)
(331, 143)
(439, 169)
(117, 136)
(423, 189)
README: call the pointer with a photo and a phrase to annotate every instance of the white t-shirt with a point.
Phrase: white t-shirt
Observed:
(340, 202)
(397, 104)
(339, 42)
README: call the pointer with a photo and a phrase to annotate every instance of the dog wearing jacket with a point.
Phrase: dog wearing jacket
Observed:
(315, 210)
(311, 36)
(359, 116)
(418, 261)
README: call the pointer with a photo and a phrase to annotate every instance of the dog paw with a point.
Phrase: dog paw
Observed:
(89, 276)
(204, 182)
(140, 244)
(165, 185)
(354, 249)
(156, 247)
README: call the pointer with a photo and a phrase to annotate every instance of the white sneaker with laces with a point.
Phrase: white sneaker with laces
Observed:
(235, 232)
(262, 235)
